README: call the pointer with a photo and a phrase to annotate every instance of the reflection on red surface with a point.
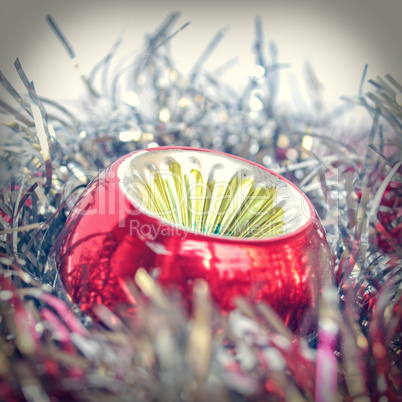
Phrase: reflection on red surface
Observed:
(106, 239)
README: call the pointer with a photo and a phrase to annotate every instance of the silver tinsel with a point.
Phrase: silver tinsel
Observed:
(50, 151)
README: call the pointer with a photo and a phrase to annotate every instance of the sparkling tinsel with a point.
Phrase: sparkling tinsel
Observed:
(49, 350)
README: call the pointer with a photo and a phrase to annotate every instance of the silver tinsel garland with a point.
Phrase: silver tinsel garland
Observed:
(50, 351)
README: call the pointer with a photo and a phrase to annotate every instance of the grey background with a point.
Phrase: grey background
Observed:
(336, 37)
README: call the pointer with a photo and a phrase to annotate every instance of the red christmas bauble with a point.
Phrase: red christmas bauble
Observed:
(184, 213)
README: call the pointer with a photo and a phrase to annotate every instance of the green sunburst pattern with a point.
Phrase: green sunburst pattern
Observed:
(236, 208)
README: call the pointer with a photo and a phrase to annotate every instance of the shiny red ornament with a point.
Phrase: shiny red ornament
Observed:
(114, 229)
(389, 229)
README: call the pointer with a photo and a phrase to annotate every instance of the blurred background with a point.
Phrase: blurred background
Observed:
(336, 37)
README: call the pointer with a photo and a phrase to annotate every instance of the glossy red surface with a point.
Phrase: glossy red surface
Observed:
(106, 239)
